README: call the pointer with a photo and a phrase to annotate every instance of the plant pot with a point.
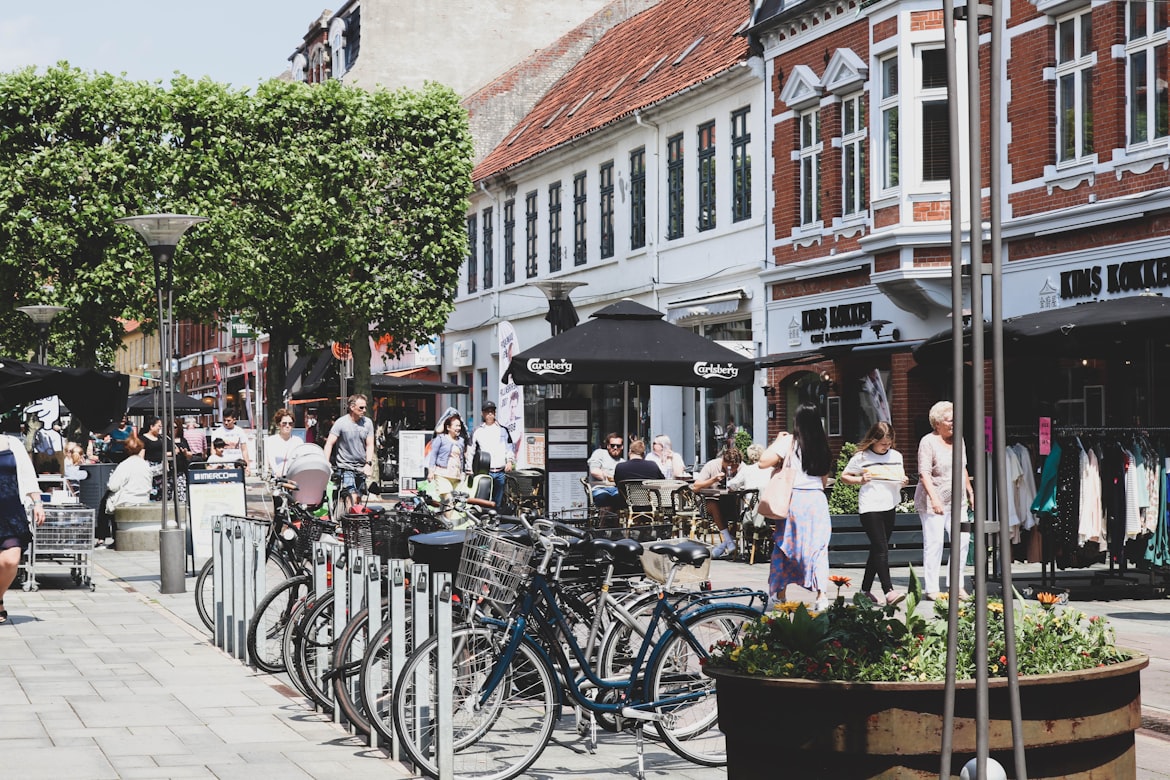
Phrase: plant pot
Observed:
(1075, 725)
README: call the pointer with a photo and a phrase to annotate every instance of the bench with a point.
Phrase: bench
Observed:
(138, 526)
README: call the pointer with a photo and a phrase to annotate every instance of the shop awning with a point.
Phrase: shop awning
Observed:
(1115, 327)
(705, 306)
(837, 352)
(388, 383)
(295, 371)
(323, 362)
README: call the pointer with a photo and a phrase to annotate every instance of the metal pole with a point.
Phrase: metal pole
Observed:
(956, 171)
(999, 409)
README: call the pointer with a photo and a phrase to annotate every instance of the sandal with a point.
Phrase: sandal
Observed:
(3, 614)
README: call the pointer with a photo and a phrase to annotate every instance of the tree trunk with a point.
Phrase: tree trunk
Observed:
(277, 373)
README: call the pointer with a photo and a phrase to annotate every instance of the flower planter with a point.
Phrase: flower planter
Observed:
(1075, 725)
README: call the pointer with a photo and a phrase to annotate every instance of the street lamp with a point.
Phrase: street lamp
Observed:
(162, 232)
(42, 316)
(561, 314)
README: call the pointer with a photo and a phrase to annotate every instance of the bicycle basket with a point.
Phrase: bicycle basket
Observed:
(309, 532)
(493, 567)
(657, 567)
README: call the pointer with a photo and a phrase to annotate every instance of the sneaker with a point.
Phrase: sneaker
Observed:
(894, 597)
(98, 544)
(869, 596)
(717, 550)
(728, 552)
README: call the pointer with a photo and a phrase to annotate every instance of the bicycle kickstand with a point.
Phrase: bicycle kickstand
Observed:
(639, 728)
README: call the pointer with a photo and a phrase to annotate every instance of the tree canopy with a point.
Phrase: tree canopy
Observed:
(332, 209)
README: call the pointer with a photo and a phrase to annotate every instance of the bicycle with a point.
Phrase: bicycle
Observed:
(507, 676)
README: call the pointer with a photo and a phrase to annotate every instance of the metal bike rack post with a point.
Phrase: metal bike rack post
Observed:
(420, 631)
(397, 638)
(341, 575)
(446, 703)
(372, 587)
(218, 580)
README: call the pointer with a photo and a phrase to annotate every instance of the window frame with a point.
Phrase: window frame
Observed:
(854, 164)
(1151, 46)
(741, 165)
(889, 108)
(472, 253)
(489, 237)
(510, 241)
(605, 189)
(580, 218)
(675, 181)
(638, 198)
(531, 250)
(926, 97)
(705, 136)
(555, 249)
(1077, 146)
(810, 148)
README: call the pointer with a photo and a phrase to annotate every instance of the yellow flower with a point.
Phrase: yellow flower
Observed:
(735, 654)
(995, 606)
(788, 606)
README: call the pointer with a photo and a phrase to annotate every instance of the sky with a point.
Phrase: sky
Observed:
(240, 42)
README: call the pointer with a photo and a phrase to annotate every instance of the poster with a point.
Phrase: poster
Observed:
(510, 405)
(534, 446)
(212, 492)
(412, 458)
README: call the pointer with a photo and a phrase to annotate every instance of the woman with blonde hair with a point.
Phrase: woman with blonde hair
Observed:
(932, 497)
(668, 460)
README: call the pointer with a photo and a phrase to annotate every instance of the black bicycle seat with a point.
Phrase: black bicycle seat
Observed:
(685, 551)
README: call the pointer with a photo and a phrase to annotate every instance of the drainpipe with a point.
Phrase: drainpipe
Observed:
(657, 205)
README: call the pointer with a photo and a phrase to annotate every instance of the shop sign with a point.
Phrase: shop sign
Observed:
(463, 353)
(1115, 278)
(837, 323)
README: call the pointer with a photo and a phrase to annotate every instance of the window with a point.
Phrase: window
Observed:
(606, 176)
(1074, 88)
(580, 199)
(889, 113)
(674, 186)
(810, 167)
(936, 132)
(1145, 49)
(853, 193)
(488, 237)
(337, 46)
(472, 260)
(509, 240)
(741, 166)
(530, 234)
(554, 227)
(706, 153)
(638, 198)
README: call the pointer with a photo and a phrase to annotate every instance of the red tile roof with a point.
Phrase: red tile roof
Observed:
(634, 65)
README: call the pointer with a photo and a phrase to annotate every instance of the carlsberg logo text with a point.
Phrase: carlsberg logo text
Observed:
(543, 366)
(716, 370)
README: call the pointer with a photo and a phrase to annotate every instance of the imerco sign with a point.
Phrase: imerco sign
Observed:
(847, 315)
(1115, 278)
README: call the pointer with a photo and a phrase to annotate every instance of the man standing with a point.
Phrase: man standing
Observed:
(235, 440)
(496, 440)
(353, 435)
(602, 464)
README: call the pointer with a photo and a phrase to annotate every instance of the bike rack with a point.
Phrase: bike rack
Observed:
(238, 579)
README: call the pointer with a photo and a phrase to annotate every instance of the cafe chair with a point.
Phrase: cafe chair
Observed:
(753, 533)
(524, 491)
(686, 510)
(643, 505)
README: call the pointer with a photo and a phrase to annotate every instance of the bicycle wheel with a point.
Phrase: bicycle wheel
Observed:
(276, 571)
(691, 727)
(497, 740)
(288, 646)
(348, 655)
(266, 629)
(314, 651)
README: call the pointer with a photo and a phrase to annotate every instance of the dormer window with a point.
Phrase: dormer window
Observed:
(299, 67)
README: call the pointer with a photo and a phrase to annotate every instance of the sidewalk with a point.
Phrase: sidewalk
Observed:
(123, 682)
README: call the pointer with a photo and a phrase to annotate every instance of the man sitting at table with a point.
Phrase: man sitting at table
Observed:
(725, 507)
(637, 467)
(602, 463)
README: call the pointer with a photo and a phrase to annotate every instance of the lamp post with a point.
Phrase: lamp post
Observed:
(162, 232)
(561, 314)
(42, 316)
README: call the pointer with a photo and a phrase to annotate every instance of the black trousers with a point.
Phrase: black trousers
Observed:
(879, 526)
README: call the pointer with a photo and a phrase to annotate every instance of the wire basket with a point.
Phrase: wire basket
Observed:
(309, 532)
(493, 568)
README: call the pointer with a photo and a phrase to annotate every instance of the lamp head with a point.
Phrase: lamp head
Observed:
(161, 230)
(41, 315)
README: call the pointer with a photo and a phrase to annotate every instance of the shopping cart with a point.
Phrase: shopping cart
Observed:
(65, 539)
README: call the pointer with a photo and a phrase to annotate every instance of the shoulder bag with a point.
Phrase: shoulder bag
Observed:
(778, 492)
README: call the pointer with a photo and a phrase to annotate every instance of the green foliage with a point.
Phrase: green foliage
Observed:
(333, 210)
(864, 641)
(743, 440)
(843, 498)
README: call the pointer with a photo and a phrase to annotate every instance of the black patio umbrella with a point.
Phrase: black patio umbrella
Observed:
(629, 342)
(97, 398)
(1101, 328)
(151, 399)
(405, 385)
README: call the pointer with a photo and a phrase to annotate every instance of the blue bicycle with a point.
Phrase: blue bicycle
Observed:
(510, 677)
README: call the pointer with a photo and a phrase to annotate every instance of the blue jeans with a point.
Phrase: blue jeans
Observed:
(606, 495)
(497, 488)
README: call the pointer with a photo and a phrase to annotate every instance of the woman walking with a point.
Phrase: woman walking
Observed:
(932, 497)
(446, 460)
(801, 551)
(18, 489)
(877, 468)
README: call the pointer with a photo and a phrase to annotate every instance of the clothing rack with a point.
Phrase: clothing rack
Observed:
(1073, 430)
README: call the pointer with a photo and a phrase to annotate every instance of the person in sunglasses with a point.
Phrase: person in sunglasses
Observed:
(353, 438)
(602, 464)
(280, 445)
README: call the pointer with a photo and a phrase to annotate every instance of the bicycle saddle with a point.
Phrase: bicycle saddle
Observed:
(685, 551)
(620, 550)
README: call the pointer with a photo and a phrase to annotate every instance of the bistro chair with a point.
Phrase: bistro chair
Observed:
(643, 505)
(524, 491)
(687, 510)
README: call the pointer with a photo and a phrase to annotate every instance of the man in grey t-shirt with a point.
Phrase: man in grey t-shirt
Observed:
(353, 436)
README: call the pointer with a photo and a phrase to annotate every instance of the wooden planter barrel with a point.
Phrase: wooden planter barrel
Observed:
(1075, 725)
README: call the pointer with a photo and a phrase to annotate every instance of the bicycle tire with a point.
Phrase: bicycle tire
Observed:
(314, 651)
(288, 646)
(276, 570)
(266, 628)
(348, 657)
(676, 669)
(496, 741)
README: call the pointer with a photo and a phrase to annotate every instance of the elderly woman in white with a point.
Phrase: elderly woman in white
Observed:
(668, 460)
